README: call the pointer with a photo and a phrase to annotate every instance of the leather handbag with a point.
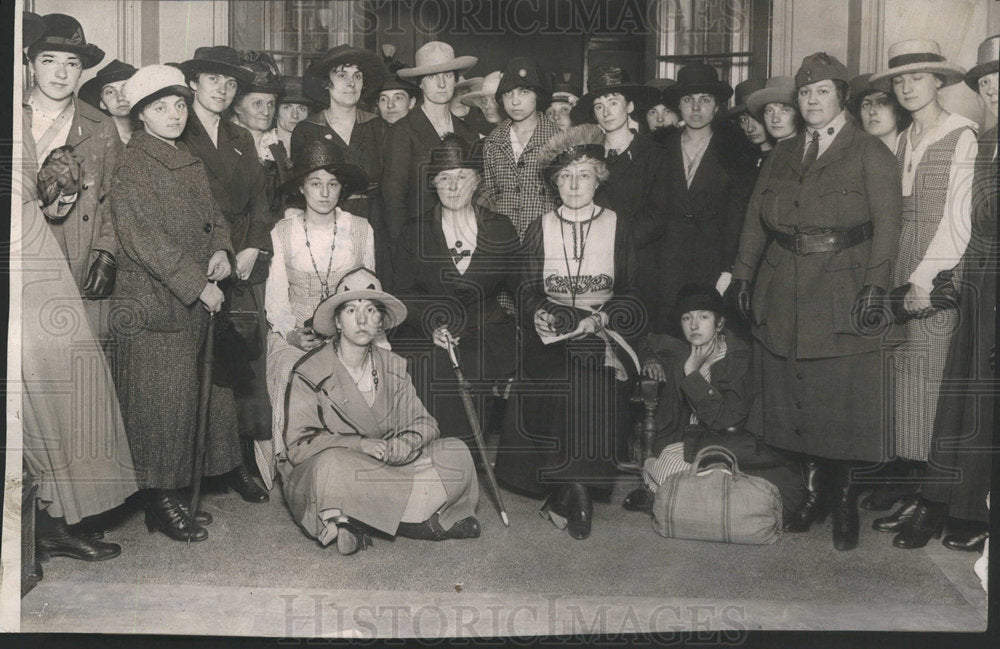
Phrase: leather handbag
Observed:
(717, 503)
(944, 296)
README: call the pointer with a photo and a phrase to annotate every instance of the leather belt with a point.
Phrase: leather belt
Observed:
(829, 241)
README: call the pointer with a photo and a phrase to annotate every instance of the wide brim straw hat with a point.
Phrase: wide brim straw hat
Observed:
(470, 84)
(151, 82)
(778, 90)
(743, 90)
(916, 55)
(487, 88)
(987, 62)
(357, 284)
(219, 59)
(90, 92)
(322, 153)
(435, 57)
(372, 69)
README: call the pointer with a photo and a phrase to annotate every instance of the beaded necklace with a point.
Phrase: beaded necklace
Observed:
(579, 247)
(367, 359)
(324, 282)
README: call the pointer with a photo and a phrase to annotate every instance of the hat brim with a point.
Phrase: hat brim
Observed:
(90, 55)
(323, 323)
(308, 102)
(735, 111)
(180, 91)
(718, 89)
(468, 83)
(352, 177)
(473, 97)
(458, 64)
(975, 72)
(639, 95)
(90, 92)
(372, 70)
(194, 67)
(758, 99)
(951, 72)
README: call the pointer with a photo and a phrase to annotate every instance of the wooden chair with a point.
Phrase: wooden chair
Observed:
(645, 393)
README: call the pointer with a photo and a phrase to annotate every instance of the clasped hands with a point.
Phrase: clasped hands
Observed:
(395, 450)
(545, 324)
(218, 269)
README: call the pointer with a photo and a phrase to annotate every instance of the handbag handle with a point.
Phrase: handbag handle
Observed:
(709, 451)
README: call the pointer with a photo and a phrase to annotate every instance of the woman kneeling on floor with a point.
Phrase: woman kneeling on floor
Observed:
(363, 452)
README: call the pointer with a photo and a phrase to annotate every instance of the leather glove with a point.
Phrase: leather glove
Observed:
(739, 292)
(101, 278)
(868, 314)
(59, 175)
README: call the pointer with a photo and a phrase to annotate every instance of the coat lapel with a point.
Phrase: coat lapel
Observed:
(345, 398)
(790, 153)
(709, 168)
(424, 128)
(838, 148)
(83, 126)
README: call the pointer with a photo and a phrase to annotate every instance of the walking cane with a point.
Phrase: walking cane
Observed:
(199, 441)
(477, 431)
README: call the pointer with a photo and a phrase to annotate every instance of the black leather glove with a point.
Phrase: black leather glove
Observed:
(59, 175)
(101, 278)
(869, 315)
(739, 295)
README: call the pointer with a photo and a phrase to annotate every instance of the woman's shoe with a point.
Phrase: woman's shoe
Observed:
(967, 541)
(431, 529)
(899, 519)
(639, 500)
(200, 517)
(351, 538)
(552, 511)
(579, 510)
(928, 521)
(164, 514)
(56, 539)
(240, 481)
(815, 506)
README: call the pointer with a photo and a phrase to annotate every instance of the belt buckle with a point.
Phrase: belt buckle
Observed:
(798, 238)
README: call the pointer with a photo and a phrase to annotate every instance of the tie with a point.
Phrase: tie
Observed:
(812, 151)
(612, 155)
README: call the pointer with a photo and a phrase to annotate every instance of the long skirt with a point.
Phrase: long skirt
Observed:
(831, 408)
(253, 404)
(158, 380)
(281, 357)
(366, 490)
(567, 420)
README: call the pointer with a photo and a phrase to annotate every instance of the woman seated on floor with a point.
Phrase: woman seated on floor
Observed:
(705, 398)
(363, 452)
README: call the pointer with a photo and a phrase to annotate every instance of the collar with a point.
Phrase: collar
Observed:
(206, 117)
(830, 131)
(168, 156)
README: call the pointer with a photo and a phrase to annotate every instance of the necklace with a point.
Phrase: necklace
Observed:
(574, 280)
(361, 370)
(324, 282)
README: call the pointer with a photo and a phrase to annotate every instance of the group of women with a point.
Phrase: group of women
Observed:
(547, 251)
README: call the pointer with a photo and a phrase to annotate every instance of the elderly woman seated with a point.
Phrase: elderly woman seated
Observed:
(363, 452)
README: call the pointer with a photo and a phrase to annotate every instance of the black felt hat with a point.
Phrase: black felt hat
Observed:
(322, 153)
(32, 28)
(219, 59)
(743, 90)
(373, 71)
(293, 91)
(697, 78)
(65, 34)
(265, 73)
(452, 153)
(523, 72)
(90, 92)
(696, 297)
(393, 82)
(606, 79)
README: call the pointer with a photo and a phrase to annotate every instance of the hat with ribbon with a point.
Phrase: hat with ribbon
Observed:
(743, 90)
(219, 59)
(373, 71)
(357, 284)
(487, 88)
(777, 90)
(151, 82)
(322, 153)
(265, 73)
(90, 92)
(435, 57)
(564, 90)
(605, 80)
(819, 67)
(293, 91)
(64, 34)
(698, 78)
(916, 55)
(987, 61)
(523, 72)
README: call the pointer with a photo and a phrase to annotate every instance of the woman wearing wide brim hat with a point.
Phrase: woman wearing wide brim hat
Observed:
(698, 78)
(370, 65)
(368, 421)
(64, 33)
(986, 63)
(485, 113)
(777, 108)
(606, 80)
(435, 57)
(219, 59)
(913, 56)
(312, 246)
(743, 90)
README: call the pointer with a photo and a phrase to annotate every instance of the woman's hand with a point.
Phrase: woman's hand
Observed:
(245, 259)
(400, 447)
(589, 325)
(304, 338)
(702, 355)
(442, 337)
(373, 447)
(653, 369)
(212, 297)
(917, 300)
(218, 266)
(545, 322)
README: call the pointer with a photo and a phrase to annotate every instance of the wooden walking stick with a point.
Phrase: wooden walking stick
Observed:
(208, 352)
(477, 431)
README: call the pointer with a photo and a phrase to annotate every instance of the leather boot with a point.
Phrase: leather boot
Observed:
(816, 505)
(240, 481)
(970, 539)
(928, 521)
(899, 519)
(846, 524)
(164, 514)
(53, 538)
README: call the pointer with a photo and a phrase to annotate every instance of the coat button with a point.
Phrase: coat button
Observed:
(86, 217)
(208, 227)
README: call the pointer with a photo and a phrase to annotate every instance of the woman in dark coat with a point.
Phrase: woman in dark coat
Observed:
(821, 232)
(450, 268)
(175, 247)
(579, 306)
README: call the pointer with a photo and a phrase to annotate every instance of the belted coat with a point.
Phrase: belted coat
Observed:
(802, 303)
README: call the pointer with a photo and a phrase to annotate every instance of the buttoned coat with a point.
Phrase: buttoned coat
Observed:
(802, 303)
(88, 226)
(406, 190)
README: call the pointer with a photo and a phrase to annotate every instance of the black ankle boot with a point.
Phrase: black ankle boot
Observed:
(816, 504)
(899, 519)
(53, 538)
(928, 521)
(846, 524)
(240, 481)
(165, 514)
